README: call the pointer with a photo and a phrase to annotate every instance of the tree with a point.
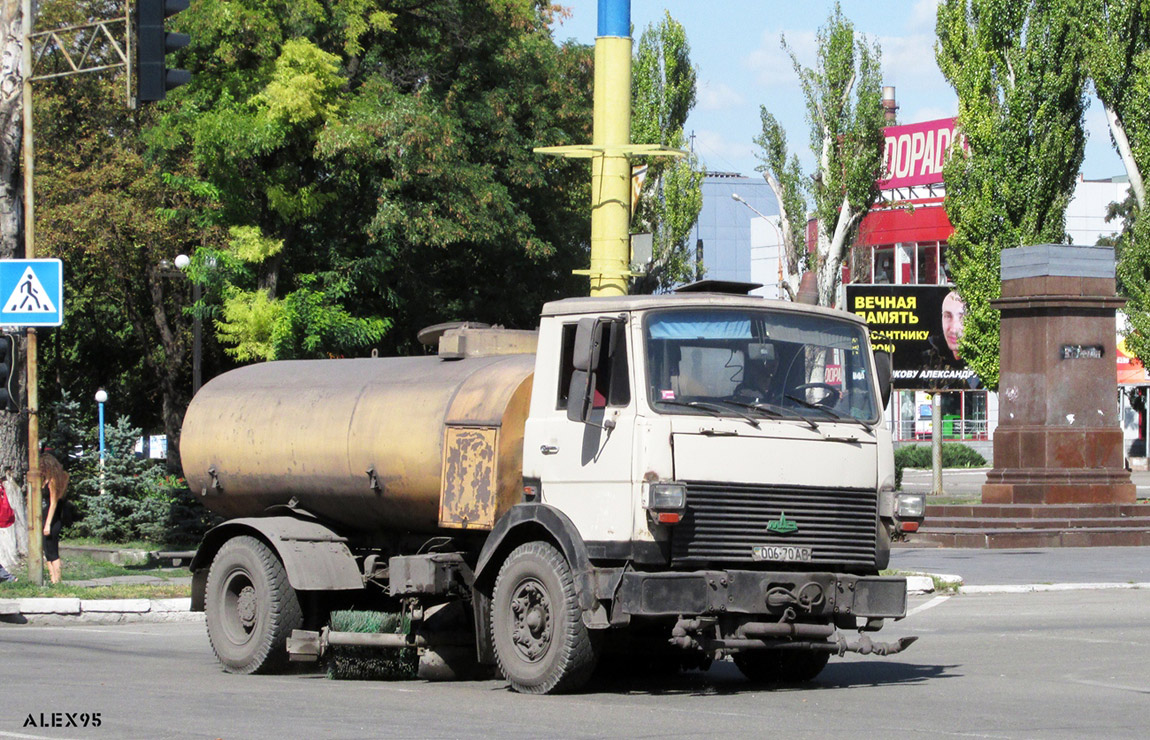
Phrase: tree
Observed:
(785, 178)
(13, 428)
(1118, 56)
(1020, 74)
(844, 108)
(672, 195)
(105, 212)
(374, 169)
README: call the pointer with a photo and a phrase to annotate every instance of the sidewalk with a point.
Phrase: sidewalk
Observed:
(71, 609)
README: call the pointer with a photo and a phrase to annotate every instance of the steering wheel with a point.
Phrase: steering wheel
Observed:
(833, 394)
(750, 394)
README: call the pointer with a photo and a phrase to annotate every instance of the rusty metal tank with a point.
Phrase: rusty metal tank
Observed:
(383, 444)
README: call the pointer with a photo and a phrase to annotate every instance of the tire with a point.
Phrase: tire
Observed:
(537, 630)
(781, 666)
(251, 608)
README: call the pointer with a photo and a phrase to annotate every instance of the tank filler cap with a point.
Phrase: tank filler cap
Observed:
(429, 336)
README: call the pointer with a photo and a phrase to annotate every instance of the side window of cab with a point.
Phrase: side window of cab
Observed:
(612, 385)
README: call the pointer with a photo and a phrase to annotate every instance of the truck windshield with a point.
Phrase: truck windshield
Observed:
(726, 361)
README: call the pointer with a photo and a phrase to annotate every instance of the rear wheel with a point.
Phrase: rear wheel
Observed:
(781, 666)
(251, 608)
(537, 630)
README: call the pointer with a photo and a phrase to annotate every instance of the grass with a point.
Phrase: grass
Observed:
(83, 568)
(133, 545)
(941, 585)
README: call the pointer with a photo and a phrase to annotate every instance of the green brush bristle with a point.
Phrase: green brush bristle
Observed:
(371, 664)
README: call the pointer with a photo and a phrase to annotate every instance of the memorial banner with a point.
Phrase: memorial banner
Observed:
(920, 326)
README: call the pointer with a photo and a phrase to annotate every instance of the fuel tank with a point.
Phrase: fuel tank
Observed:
(416, 444)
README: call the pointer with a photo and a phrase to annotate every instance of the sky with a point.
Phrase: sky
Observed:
(735, 44)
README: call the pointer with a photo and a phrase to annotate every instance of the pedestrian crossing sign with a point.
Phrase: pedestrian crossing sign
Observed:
(32, 292)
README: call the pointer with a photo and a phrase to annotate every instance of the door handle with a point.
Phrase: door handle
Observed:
(548, 449)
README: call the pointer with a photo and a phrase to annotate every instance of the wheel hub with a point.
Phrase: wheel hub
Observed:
(246, 607)
(531, 614)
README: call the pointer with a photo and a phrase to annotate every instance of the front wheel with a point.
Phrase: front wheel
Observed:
(251, 608)
(537, 630)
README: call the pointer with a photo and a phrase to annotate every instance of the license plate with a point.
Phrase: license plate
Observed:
(784, 553)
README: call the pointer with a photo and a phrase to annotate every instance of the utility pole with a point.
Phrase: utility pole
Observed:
(77, 57)
(35, 519)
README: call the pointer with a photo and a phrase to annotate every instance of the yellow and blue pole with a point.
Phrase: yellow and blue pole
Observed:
(611, 168)
(610, 153)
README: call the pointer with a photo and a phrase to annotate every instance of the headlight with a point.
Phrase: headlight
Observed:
(666, 502)
(664, 496)
(910, 505)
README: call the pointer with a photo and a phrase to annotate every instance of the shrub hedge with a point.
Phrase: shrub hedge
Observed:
(954, 455)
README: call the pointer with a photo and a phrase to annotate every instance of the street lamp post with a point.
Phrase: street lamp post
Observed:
(738, 198)
(101, 397)
(182, 262)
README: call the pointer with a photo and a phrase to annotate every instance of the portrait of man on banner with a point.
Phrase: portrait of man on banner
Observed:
(921, 326)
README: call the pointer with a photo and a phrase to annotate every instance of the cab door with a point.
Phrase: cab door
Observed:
(580, 435)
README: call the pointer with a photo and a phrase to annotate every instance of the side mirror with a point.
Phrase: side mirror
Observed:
(883, 372)
(585, 358)
(593, 337)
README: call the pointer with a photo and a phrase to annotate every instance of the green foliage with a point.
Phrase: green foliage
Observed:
(133, 498)
(61, 425)
(954, 455)
(1019, 71)
(387, 155)
(844, 109)
(663, 92)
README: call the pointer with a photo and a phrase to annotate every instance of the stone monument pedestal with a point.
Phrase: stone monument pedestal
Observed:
(1058, 440)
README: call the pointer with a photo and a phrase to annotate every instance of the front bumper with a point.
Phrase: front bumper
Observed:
(718, 592)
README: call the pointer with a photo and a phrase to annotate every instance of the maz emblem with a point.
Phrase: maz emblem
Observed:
(782, 525)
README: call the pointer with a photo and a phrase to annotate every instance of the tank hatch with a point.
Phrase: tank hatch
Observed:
(460, 339)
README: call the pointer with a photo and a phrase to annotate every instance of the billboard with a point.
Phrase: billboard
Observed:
(920, 326)
(914, 154)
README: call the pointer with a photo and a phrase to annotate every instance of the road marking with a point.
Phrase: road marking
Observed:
(1106, 685)
(28, 737)
(928, 605)
(1044, 587)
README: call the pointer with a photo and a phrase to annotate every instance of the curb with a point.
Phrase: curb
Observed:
(924, 583)
(70, 609)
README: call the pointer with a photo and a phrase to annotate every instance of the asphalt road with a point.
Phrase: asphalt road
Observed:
(1064, 665)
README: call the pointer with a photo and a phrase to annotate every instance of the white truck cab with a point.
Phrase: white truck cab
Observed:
(757, 411)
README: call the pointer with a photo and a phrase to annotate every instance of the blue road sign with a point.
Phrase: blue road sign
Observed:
(32, 293)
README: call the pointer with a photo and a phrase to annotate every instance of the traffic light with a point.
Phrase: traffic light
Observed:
(153, 43)
(8, 392)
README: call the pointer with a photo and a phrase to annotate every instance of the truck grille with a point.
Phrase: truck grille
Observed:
(725, 521)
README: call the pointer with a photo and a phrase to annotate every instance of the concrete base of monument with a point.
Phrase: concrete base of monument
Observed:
(1058, 465)
(1045, 486)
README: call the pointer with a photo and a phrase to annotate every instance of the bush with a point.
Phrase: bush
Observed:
(954, 455)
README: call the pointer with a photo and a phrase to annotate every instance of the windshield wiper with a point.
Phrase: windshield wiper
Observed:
(714, 408)
(837, 415)
(777, 412)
